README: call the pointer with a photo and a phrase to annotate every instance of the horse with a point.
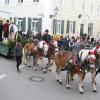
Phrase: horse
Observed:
(13, 31)
(97, 54)
(29, 49)
(88, 60)
(65, 60)
(52, 49)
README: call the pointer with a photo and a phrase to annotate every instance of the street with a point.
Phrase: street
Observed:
(35, 85)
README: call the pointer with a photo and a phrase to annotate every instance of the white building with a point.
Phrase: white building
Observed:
(67, 17)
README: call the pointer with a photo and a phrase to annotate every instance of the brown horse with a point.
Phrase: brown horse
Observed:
(67, 61)
(30, 49)
(52, 49)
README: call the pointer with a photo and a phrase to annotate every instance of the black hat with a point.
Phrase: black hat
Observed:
(46, 30)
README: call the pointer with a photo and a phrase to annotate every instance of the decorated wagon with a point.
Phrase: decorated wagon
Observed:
(7, 49)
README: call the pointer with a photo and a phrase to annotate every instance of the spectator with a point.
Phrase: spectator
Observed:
(67, 43)
(71, 44)
(6, 30)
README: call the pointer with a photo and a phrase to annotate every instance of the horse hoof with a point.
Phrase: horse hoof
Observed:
(44, 72)
(94, 91)
(68, 88)
(81, 92)
(72, 79)
(60, 82)
(57, 80)
(29, 66)
(35, 69)
(82, 86)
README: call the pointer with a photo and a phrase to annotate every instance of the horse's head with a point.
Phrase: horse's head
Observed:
(98, 50)
(44, 46)
(91, 58)
(54, 44)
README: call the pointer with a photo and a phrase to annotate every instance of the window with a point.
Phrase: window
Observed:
(35, 0)
(20, 24)
(20, 1)
(71, 26)
(34, 25)
(90, 29)
(58, 27)
(6, 2)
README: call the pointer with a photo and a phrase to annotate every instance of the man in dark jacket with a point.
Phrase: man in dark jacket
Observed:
(18, 54)
(46, 37)
(38, 36)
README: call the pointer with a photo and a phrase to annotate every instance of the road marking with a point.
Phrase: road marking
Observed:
(2, 76)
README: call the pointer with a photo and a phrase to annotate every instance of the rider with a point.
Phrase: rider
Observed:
(46, 37)
(77, 47)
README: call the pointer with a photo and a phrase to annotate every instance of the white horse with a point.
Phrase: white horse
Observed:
(43, 46)
(13, 30)
(49, 51)
(88, 60)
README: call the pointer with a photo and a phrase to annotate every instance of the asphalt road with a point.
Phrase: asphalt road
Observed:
(35, 85)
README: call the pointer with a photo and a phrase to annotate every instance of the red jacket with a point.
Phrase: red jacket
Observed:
(6, 28)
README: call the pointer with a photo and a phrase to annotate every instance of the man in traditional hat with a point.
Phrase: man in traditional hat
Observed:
(46, 37)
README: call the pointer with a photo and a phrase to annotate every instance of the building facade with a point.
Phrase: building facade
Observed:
(66, 17)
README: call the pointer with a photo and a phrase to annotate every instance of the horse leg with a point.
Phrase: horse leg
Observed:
(58, 76)
(67, 79)
(24, 57)
(35, 60)
(81, 78)
(51, 66)
(24, 60)
(72, 75)
(44, 67)
(93, 72)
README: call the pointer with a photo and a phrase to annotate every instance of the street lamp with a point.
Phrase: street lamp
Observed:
(56, 10)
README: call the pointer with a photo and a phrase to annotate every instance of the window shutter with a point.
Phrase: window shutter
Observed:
(23, 24)
(62, 27)
(67, 30)
(54, 26)
(29, 24)
(74, 26)
(39, 24)
(15, 20)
